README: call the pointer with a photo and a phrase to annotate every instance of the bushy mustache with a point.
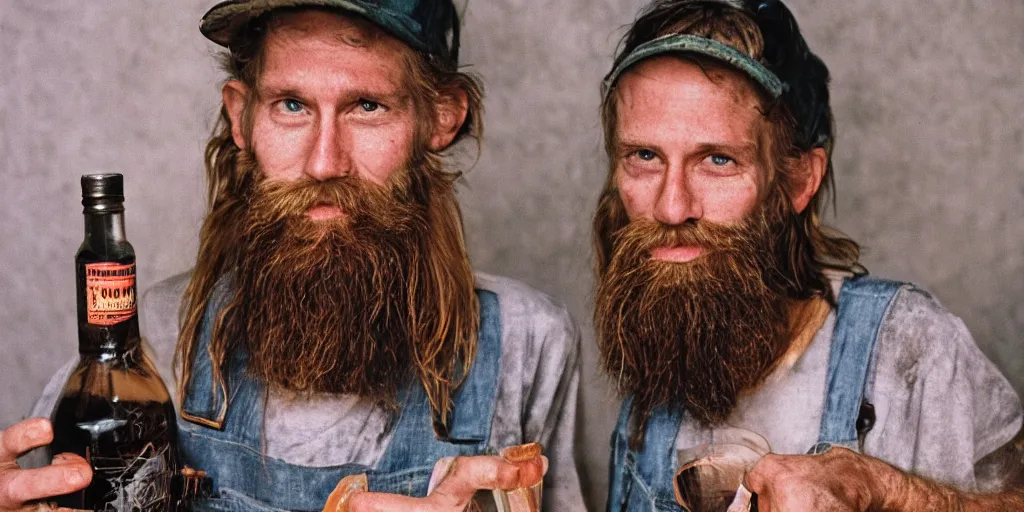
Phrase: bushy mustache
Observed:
(642, 236)
(386, 206)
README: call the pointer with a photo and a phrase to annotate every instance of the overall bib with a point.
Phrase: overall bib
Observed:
(641, 481)
(221, 432)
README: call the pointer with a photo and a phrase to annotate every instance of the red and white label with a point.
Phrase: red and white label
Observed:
(110, 292)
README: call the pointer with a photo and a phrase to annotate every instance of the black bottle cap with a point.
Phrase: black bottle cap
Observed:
(103, 193)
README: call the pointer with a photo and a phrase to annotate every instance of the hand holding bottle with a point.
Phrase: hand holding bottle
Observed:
(68, 472)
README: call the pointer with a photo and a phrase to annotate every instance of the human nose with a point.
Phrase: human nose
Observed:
(329, 156)
(677, 202)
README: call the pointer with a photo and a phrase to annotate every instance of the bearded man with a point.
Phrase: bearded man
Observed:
(728, 315)
(332, 328)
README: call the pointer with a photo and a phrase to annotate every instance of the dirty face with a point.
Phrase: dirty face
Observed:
(686, 149)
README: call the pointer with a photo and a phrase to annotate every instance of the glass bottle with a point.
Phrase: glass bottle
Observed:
(114, 410)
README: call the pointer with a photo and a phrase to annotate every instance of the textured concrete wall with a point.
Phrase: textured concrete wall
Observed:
(928, 96)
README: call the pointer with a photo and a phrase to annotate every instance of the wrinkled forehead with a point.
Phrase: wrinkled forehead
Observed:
(666, 78)
(308, 46)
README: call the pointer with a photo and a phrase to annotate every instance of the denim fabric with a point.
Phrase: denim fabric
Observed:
(245, 479)
(641, 481)
(863, 303)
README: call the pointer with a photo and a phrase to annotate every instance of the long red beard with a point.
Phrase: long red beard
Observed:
(694, 335)
(323, 306)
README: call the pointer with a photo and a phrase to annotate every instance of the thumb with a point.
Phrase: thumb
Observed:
(469, 474)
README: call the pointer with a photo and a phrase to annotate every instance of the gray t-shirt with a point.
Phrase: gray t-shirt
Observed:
(536, 393)
(940, 404)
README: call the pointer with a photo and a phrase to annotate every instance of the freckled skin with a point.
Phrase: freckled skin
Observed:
(686, 146)
(328, 107)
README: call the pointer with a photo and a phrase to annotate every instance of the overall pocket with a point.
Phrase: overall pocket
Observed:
(227, 500)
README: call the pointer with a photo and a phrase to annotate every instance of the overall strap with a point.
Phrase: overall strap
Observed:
(654, 464)
(414, 442)
(863, 304)
(235, 456)
(617, 477)
(207, 403)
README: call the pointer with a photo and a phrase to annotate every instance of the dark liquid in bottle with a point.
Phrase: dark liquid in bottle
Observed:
(129, 445)
(114, 410)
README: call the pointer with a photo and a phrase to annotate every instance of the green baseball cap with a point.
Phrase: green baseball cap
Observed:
(787, 71)
(675, 43)
(428, 26)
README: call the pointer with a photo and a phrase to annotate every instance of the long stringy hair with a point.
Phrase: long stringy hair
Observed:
(810, 247)
(443, 310)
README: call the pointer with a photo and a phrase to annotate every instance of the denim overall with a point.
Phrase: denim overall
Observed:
(224, 439)
(642, 481)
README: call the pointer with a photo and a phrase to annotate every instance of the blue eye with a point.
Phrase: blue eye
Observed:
(646, 155)
(292, 106)
(369, 106)
(720, 159)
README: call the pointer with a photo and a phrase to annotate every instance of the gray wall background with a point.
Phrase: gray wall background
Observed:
(928, 95)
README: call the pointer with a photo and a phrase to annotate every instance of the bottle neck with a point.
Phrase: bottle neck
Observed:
(108, 321)
(112, 342)
(104, 232)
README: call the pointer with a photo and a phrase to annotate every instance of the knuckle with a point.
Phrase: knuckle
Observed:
(12, 491)
(490, 473)
(358, 503)
(5, 442)
(757, 482)
(769, 464)
(508, 476)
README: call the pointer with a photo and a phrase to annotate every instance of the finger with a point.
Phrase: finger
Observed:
(754, 479)
(522, 452)
(532, 472)
(485, 472)
(759, 480)
(442, 469)
(760, 477)
(383, 502)
(68, 458)
(340, 498)
(22, 437)
(20, 486)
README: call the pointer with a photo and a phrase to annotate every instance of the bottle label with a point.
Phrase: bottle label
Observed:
(110, 292)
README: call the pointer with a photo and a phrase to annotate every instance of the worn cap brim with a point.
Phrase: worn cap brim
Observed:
(688, 43)
(222, 23)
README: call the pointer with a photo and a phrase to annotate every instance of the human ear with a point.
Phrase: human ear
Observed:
(450, 113)
(234, 94)
(807, 178)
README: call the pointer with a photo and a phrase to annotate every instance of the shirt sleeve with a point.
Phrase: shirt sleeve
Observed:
(969, 393)
(551, 415)
(949, 406)
(538, 385)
